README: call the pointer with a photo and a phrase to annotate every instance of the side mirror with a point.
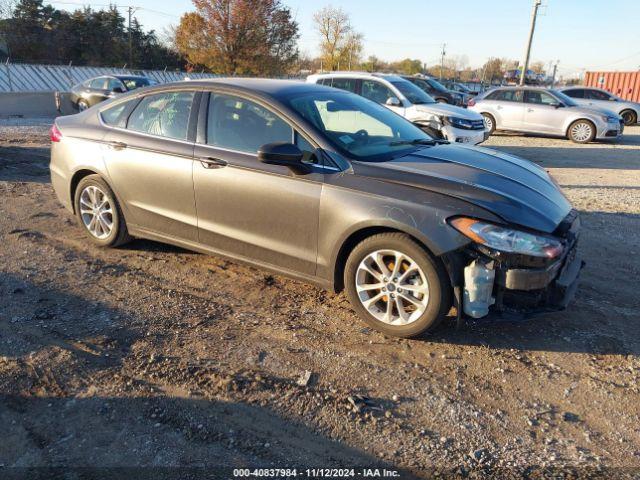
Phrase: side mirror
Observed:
(558, 105)
(282, 153)
(117, 90)
(393, 102)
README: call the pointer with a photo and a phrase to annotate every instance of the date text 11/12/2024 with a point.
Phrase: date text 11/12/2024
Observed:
(316, 473)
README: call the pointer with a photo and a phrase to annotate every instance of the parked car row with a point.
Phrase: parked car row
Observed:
(408, 99)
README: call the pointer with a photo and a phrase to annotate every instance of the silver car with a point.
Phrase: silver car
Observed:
(596, 97)
(545, 111)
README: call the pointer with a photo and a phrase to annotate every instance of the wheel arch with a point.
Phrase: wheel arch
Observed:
(579, 119)
(632, 110)
(77, 177)
(357, 236)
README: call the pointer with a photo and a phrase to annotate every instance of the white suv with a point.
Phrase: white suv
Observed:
(440, 120)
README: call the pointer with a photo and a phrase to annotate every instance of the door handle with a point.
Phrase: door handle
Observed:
(498, 107)
(530, 110)
(212, 162)
(117, 145)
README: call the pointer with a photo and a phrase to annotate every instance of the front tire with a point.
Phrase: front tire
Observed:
(99, 213)
(396, 286)
(489, 122)
(582, 131)
(82, 105)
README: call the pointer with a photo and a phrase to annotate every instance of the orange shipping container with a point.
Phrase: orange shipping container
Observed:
(623, 84)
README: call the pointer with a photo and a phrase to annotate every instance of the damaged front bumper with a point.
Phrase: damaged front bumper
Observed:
(516, 285)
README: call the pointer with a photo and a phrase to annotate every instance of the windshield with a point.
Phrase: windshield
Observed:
(359, 128)
(133, 83)
(414, 94)
(435, 84)
(568, 101)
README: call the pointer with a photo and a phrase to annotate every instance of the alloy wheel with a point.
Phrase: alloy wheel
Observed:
(581, 131)
(392, 287)
(82, 106)
(96, 212)
(629, 118)
(488, 123)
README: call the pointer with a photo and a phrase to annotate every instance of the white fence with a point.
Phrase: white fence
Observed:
(22, 77)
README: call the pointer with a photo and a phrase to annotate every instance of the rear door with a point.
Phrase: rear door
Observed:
(507, 108)
(97, 90)
(149, 158)
(542, 113)
(246, 208)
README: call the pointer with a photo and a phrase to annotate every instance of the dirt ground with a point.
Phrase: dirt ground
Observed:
(153, 356)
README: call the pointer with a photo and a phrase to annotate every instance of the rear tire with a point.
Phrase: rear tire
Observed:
(441, 100)
(82, 105)
(582, 131)
(629, 116)
(489, 122)
(412, 297)
(99, 214)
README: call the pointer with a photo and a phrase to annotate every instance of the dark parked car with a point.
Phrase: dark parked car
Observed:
(96, 90)
(327, 187)
(438, 91)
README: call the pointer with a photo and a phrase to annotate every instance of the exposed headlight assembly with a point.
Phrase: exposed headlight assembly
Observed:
(507, 239)
(458, 122)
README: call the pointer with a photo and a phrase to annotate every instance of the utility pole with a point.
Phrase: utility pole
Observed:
(444, 45)
(130, 10)
(534, 14)
(553, 77)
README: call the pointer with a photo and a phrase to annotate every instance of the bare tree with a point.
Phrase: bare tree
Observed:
(340, 45)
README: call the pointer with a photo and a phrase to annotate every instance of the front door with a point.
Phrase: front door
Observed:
(151, 162)
(246, 208)
(380, 93)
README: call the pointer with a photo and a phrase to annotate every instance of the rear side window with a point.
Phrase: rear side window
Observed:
(163, 114)
(99, 83)
(240, 124)
(111, 115)
(348, 84)
(506, 95)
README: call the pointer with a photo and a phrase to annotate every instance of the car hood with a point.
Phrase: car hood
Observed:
(444, 109)
(515, 189)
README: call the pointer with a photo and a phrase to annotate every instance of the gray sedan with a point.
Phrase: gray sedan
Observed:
(327, 187)
(545, 111)
(596, 97)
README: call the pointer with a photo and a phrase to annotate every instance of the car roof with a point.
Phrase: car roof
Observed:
(120, 77)
(390, 77)
(279, 89)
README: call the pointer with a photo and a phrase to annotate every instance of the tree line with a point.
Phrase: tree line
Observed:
(230, 37)
(33, 32)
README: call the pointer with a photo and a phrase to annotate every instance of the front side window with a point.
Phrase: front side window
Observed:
(348, 84)
(358, 128)
(597, 95)
(540, 98)
(413, 93)
(575, 93)
(135, 82)
(376, 91)
(163, 114)
(240, 124)
(114, 83)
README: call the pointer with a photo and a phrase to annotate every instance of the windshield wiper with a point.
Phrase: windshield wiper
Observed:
(419, 141)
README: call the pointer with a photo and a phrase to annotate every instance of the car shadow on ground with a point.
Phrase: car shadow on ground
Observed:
(76, 394)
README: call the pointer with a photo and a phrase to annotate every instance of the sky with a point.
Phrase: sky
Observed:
(580, 34)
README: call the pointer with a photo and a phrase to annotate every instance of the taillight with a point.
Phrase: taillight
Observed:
(471, 102)
(54, 134)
